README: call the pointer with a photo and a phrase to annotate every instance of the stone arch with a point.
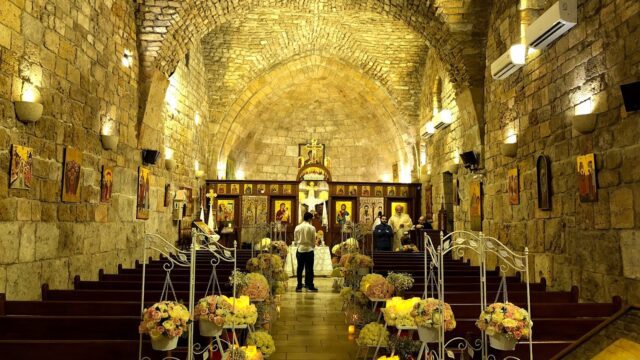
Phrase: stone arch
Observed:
(236, 123)
(164, 49)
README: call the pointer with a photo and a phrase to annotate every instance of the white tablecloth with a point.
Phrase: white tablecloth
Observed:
(321, 265)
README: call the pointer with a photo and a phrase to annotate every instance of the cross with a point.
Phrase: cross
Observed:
(314, 147)
(211, 195)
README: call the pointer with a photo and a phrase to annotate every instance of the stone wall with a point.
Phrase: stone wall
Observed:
(72, 53)
(592, 245)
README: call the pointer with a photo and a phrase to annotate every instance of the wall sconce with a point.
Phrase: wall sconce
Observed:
(197, 118)
(239, 174)
(446, 116)
(169, 161)
(199, 173)
(109, 133)
(584, 120)
(28, 110)
(127, 58)
(510, 147)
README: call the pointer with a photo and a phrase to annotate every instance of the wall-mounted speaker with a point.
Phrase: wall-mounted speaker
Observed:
(631, 96)
(150, 157)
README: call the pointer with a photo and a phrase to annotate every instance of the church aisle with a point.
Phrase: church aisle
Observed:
(311, 326)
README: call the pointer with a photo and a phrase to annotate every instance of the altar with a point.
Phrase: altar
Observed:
(321, 265)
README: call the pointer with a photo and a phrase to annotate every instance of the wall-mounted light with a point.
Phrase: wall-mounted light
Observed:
(199, 173)
(386, 178)
(239, 174)
(510, 146)
(584, 120)
(446, 116)
(429, 128)
(127, 58)
(222, 170)
(169, 161)
(518, 54)
(109, 133)
(197, 118)
(28, 109)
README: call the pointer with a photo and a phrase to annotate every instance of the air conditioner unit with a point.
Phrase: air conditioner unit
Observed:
(556, 21)
(509, 62)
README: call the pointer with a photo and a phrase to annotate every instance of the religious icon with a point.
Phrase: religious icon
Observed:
(254, 210)
(235, 189)
(353, 190)
(311, 154)
(21, 167)
(428, 201)
(167, 195)
(544, 182)
(282, 210)
(286, 189)
(274, 188)
(106, 185)
(221, 189)
(378, 191)
(404, 191)
(513, 184)
(343, 211)
(262, 188)
(368, 210)
(366, 190)
(340, 189)
(587, 178)
(391, 191)
(71, 175)
(225, 212)
(395, 173)
(142, 208)
(189, 203)
(248, 189)
(475, 206)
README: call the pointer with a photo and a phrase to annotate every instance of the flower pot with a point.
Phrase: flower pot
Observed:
(363, 271)
(163, 343)
(428, 335)
(209, 329)
(109, 142)
(502, 342)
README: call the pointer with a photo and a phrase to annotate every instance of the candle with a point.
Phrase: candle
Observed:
(352, 329)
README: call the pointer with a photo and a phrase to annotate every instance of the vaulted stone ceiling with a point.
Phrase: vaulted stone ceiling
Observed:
(354, 66)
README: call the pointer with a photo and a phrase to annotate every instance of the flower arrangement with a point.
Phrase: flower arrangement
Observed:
(373, 333)
(336, 272)
(427, 313)
(210, 309)
(238, 278)
(410, 248)
(405, 347)
(356, 297)
(506, 319)
(244, 313)
(280, 247)
(256, 288)
(165, 319)
(348, 246)
(398, 311)
(352, 262)
(400, 281)
(267, 264)
(375, 286)
(390, 357)
(263, 341)
(243, 353)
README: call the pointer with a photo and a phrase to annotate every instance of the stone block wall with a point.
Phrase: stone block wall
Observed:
(72, 53)
(592, 245)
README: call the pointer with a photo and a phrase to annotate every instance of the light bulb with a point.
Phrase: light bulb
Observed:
(446, 116)
(430, 128)
(584, 108)
(518, 54)
(168, 153)
(512, 138)
(29, 93)
(197, 165)
(197, 118)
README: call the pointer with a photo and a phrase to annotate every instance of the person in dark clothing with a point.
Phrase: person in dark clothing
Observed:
(383, 235)
(423, 224)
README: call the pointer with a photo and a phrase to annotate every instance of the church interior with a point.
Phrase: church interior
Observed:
(455, 179)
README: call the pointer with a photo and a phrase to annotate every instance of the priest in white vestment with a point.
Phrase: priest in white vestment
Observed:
(401, 223)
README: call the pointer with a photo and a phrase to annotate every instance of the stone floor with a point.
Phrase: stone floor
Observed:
(311, 326)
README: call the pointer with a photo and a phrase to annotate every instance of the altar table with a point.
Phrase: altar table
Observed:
(321, 265)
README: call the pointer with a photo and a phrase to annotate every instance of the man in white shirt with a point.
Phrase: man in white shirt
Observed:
(304, 237)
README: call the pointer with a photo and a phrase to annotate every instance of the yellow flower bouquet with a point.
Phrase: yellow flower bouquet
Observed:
(398, 312)
(505, 324)
(165, 322)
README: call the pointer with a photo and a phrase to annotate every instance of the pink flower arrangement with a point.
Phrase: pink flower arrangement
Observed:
(375, 286)
(211, 309)
(166, 318)
(427, 313)
(352, 262)
(256, 288)
(280, 247)
(506, 319)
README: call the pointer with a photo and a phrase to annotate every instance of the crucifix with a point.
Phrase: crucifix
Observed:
(211, 222)
(314, 147)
